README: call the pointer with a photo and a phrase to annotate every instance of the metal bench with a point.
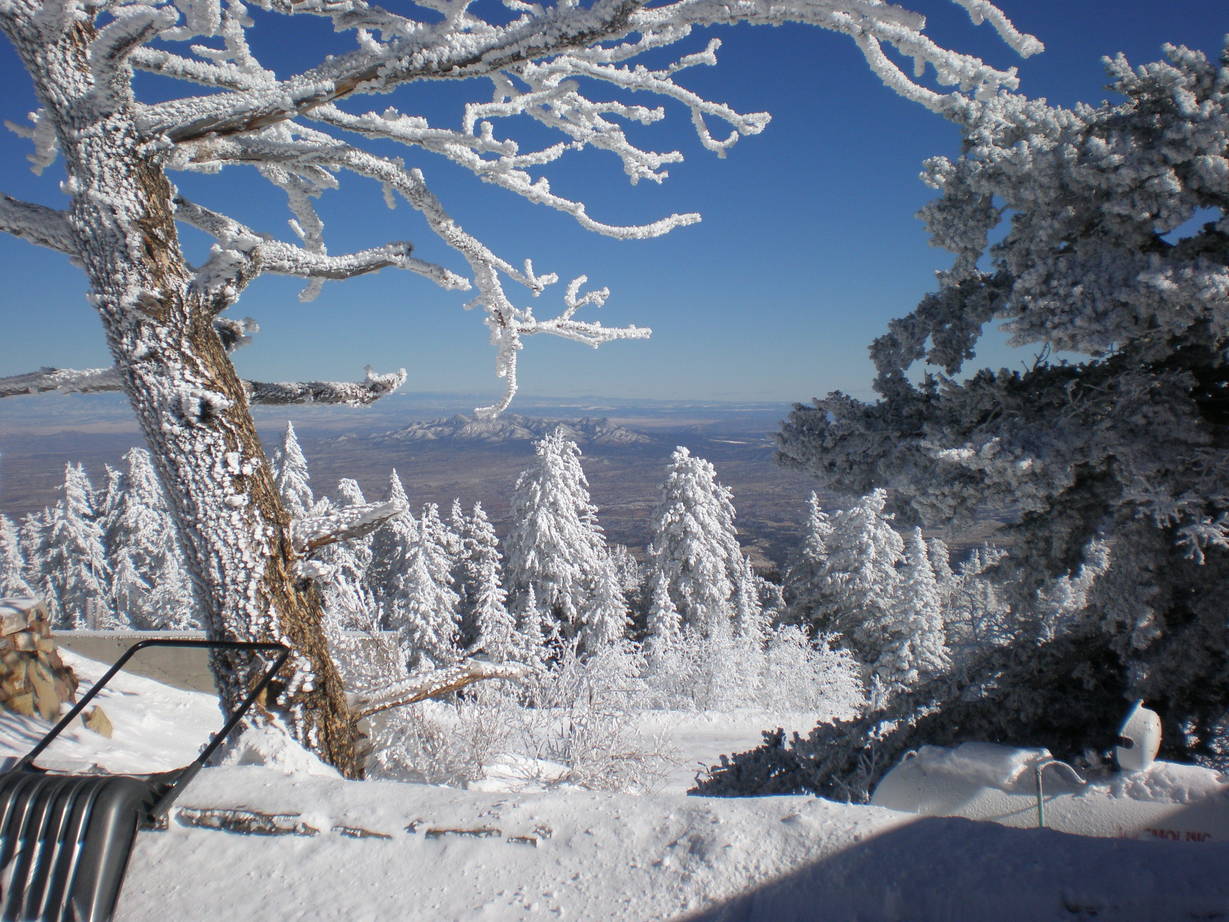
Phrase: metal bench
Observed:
(65, 839)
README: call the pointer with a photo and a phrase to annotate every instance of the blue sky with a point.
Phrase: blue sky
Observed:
(808, 246)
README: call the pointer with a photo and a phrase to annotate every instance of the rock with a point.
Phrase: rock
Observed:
(96, 719)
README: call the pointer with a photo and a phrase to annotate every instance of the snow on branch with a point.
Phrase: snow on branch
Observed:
(433, 684)
(314, 532)
(64, 380)
(428, 54)
(37, 224)
(105, 380)
(354, 394)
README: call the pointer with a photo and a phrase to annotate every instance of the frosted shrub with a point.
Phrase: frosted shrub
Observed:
(439, 742)
(584, 722)
(801, 675)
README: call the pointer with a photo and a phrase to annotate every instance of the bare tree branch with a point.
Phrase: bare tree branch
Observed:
(434, 684)
(64, 380)
(38, 224)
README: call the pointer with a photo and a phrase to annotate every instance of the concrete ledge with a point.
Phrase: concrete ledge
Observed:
(176, 666)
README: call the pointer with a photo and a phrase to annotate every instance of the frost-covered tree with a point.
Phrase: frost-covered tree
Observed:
(804, 586)
(913, 648)
(859, 580)
(485, 622)
(214, 108)
(603, 620)
(290, 475)
(427, 606)
(694, 546)
(144, 551)
(663, 626)
(390, 549)
(75, 563)
(1110, 230)
(555, 545)
(977, 617)
(348, 600)
(32, 539)
(12, 562)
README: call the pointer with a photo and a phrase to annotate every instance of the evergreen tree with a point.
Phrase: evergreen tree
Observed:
(484, 619)
(1099, 231)
(32, 540)
(556, 546)
(804, 583)
(749, 621)
(76, 562)
(694, 544)
(663, 624)
(859, 579)
(12, 563)
(348, 600)
(391, 545)
(144, 550)
(913, 647)
(427, 605)
(603, 620)
(291, 477)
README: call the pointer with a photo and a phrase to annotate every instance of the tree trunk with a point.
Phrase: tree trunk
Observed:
(188, 400)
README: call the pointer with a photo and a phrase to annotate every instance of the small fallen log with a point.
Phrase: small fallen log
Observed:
(255, 823)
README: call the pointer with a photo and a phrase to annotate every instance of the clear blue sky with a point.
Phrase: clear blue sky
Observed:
(808, 246)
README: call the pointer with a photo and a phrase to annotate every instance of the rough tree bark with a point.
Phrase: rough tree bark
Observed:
(191, 405)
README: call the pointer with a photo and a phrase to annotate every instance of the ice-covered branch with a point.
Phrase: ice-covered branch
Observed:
(132, 27)
(314, 532)
(107, 380)
(429, 54)
(432, 685)
(354, 394)
(242, 254)
(64, 380)
(38, 224)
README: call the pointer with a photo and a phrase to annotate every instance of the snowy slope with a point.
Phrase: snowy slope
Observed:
(454, 854)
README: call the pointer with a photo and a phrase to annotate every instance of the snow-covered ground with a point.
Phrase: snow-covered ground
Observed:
(568, 853)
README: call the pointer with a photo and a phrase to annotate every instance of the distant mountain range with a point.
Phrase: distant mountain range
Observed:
(513, 427)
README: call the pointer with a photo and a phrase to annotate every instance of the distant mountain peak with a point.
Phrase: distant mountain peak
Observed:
(513, 427)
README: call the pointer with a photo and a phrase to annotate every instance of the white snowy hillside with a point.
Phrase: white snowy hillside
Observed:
(384, 850)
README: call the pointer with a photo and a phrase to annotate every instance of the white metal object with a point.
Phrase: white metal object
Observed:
(1139, 739)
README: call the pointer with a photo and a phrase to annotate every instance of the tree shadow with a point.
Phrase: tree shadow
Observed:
(937, 869)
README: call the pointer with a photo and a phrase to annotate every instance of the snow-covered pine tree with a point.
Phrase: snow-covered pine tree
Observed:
(427, 605)
(144, 550)
(749, 622)
(32, 539)
(391, 544)
(663, 625)
(1087, 235)
(348, 602)
(603, 620)
(291, 476)
(555, 545)
(804, 585)
(859, 578)
(694, 546)
(12, 562)
(301, 131)
(913, 648)
(76, 561)
(485, 622)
